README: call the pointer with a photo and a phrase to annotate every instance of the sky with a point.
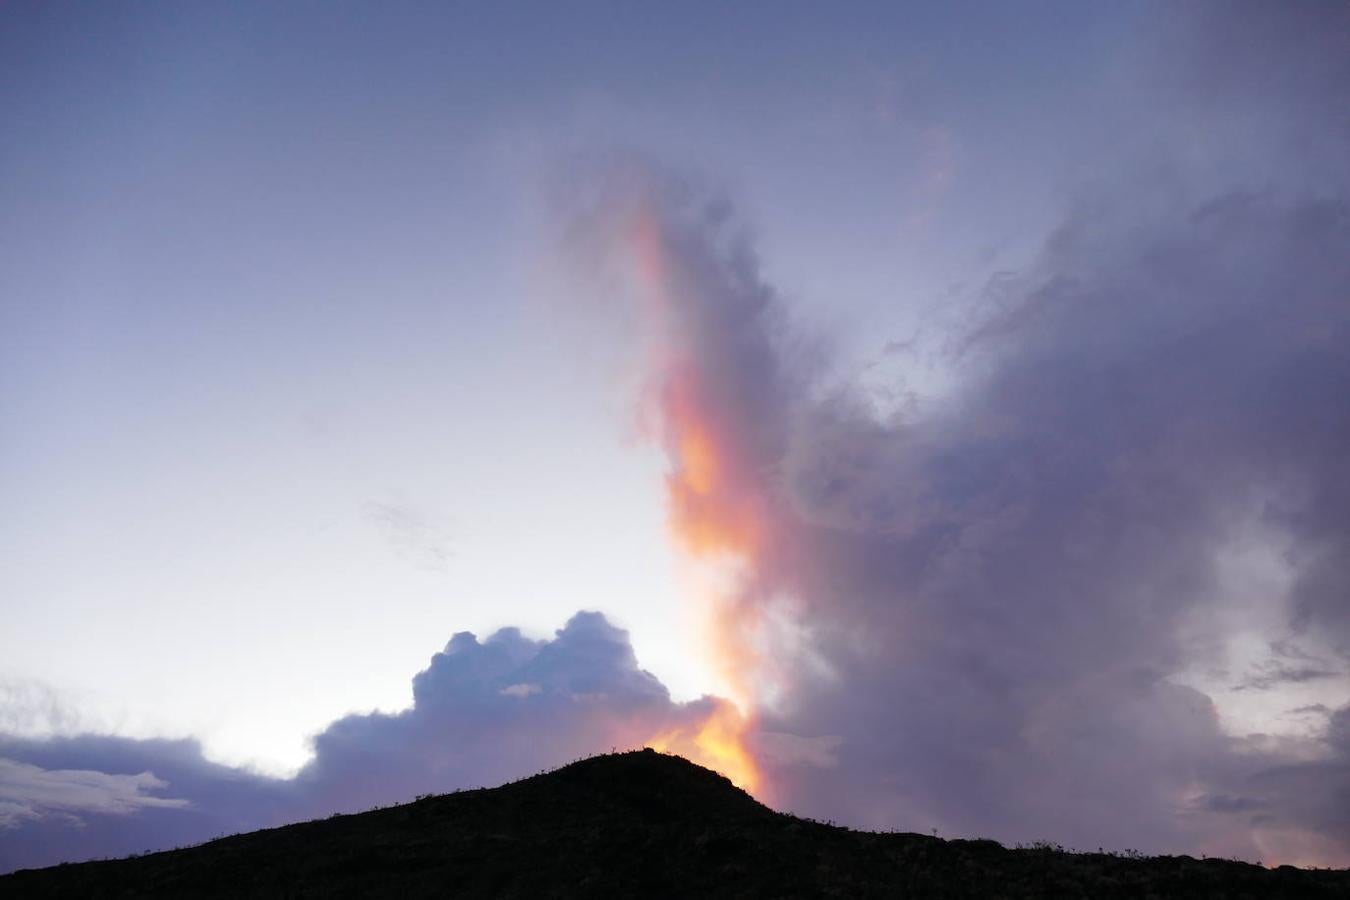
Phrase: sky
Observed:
(930, 415)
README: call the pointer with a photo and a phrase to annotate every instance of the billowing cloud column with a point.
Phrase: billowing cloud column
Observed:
(984, 617)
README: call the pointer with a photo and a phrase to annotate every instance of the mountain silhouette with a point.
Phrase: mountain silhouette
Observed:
(636, 824)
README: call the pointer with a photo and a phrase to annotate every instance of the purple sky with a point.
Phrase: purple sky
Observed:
(999, 353)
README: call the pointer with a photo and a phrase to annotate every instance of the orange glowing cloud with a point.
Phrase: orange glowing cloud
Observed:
(716, 492)
(711, 511)
(718, 743)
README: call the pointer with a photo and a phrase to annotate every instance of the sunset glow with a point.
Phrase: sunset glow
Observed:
(718, 743)
(716, 501)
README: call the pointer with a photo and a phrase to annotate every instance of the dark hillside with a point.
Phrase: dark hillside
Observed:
(635, 824)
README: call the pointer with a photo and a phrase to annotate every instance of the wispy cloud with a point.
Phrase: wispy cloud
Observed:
(31, 792)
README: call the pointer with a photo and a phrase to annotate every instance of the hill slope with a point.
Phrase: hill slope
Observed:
(634, 824)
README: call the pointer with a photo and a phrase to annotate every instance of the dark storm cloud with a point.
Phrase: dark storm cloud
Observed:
(1007, 583)
(1287, 54)
(1307, 801)
(993, 598)
(484, 712)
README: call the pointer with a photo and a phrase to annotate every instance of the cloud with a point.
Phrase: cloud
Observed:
(33, 708)
(484, 712)
(990, 605)
(970, 618)
(978, 614)
(490, 711)
(90, 795)
(519, 690)
(1273, 673)
(410, 534)
(30, 792)
(1303, 814)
